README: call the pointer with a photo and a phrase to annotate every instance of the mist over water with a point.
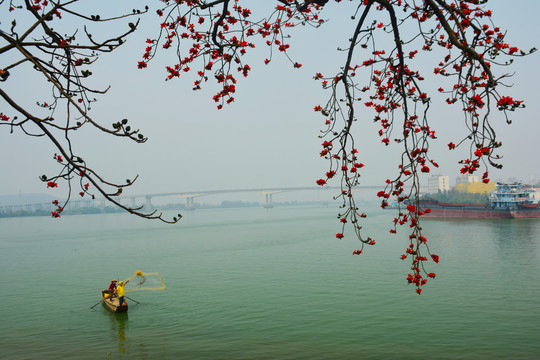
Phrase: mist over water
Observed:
(259, 283)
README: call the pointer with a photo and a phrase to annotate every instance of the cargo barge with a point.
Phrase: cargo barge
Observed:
(507, 201)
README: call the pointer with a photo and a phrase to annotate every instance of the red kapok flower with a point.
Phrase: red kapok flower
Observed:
(477, 100)
(507, 101)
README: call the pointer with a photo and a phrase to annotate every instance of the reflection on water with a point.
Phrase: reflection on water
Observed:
(118, 329)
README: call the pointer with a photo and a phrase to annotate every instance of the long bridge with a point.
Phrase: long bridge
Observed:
(132, 200)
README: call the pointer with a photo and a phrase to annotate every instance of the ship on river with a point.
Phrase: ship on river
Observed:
(507, 201)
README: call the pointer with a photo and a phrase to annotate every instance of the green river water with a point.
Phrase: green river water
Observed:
(257, 283)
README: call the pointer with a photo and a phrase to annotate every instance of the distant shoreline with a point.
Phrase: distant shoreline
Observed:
(111, 209)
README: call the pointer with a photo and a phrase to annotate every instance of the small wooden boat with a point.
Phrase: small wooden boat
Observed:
(112, 303)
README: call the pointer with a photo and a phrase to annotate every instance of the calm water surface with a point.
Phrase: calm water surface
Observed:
(267, 284)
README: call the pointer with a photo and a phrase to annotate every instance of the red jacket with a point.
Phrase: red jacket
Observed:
(112, 287)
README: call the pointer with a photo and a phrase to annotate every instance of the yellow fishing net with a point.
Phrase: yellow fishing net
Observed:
(144, 281)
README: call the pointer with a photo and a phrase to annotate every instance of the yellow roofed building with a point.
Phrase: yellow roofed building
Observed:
(475, 187)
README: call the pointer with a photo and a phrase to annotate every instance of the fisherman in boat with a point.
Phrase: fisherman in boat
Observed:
(112, 288)
(120, 292)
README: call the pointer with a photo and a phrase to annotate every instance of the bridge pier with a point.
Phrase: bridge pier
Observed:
(268, 203)
(189, 202)
(148, 205)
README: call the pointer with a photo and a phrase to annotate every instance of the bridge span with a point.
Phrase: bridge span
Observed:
(267, 192)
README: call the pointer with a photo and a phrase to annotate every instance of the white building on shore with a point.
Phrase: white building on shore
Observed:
(466, 179)
(438, 183)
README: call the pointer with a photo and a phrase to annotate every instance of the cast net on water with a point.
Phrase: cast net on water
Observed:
(144, 281)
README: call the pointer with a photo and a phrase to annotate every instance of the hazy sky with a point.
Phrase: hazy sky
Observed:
(269, 136)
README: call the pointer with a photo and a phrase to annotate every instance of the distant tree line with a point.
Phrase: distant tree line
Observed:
(111, 209)
(82, 211)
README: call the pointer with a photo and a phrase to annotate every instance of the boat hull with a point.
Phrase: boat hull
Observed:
(478, 212)
(112, 304)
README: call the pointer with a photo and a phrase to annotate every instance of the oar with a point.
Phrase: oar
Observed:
(132, 300)
(99, 302)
